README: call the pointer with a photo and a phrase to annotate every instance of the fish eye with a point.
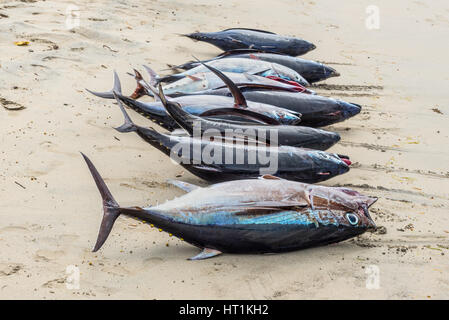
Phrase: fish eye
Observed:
(352, 218)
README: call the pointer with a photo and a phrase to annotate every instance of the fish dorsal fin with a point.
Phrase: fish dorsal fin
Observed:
(239, 99)
(187, 187)
(152, 74)
(250, 29)
(193, 78)
(249, 76)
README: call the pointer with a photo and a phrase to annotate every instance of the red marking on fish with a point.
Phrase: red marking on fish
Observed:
(297, 86)
(334, 113)
(252, 56)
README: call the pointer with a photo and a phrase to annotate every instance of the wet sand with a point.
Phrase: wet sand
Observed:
(50, 209)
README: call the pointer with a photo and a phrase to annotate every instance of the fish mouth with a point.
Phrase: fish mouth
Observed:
(371, 225)
(331, 72)
(349, 109)
(334, 74)
(346, 161)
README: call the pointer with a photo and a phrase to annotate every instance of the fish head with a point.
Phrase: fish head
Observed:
(352, 208)
(344, 208)
(327, 165)
(322, 73)
(198, 36)
(327, 139)
(299, 46)
(287, 73)
(348, 110)
(299, 79)
(329, 72)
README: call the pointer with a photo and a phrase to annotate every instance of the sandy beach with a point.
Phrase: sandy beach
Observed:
(50, 209)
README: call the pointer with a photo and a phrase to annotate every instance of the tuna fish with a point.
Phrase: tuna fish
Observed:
(220, 108)
(296, 136)
(312, 71)
(242, 65)
(234, 158)
(316, 111)
(208, 81)
(265, 215)
(241, 38)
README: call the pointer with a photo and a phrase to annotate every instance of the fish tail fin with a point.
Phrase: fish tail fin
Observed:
(152, 74)
(147, 87)
(111, 209)
(117, 87)
(140, 90)
(129, 125)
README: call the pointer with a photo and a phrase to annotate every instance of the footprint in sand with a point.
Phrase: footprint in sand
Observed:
(8, 269)
(49, 255)
(13, 229)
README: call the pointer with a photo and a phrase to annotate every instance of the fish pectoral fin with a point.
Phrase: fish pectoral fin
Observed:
(281, 205)
(259, 72)
(207, 168)
(235, 40)
(249, 76)
(187, 187)
(206, 254)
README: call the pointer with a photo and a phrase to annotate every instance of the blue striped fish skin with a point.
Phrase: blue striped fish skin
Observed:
(249, 216)
(261, 215)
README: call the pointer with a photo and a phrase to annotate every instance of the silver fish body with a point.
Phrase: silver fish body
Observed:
(265, 215)
(242, 65)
